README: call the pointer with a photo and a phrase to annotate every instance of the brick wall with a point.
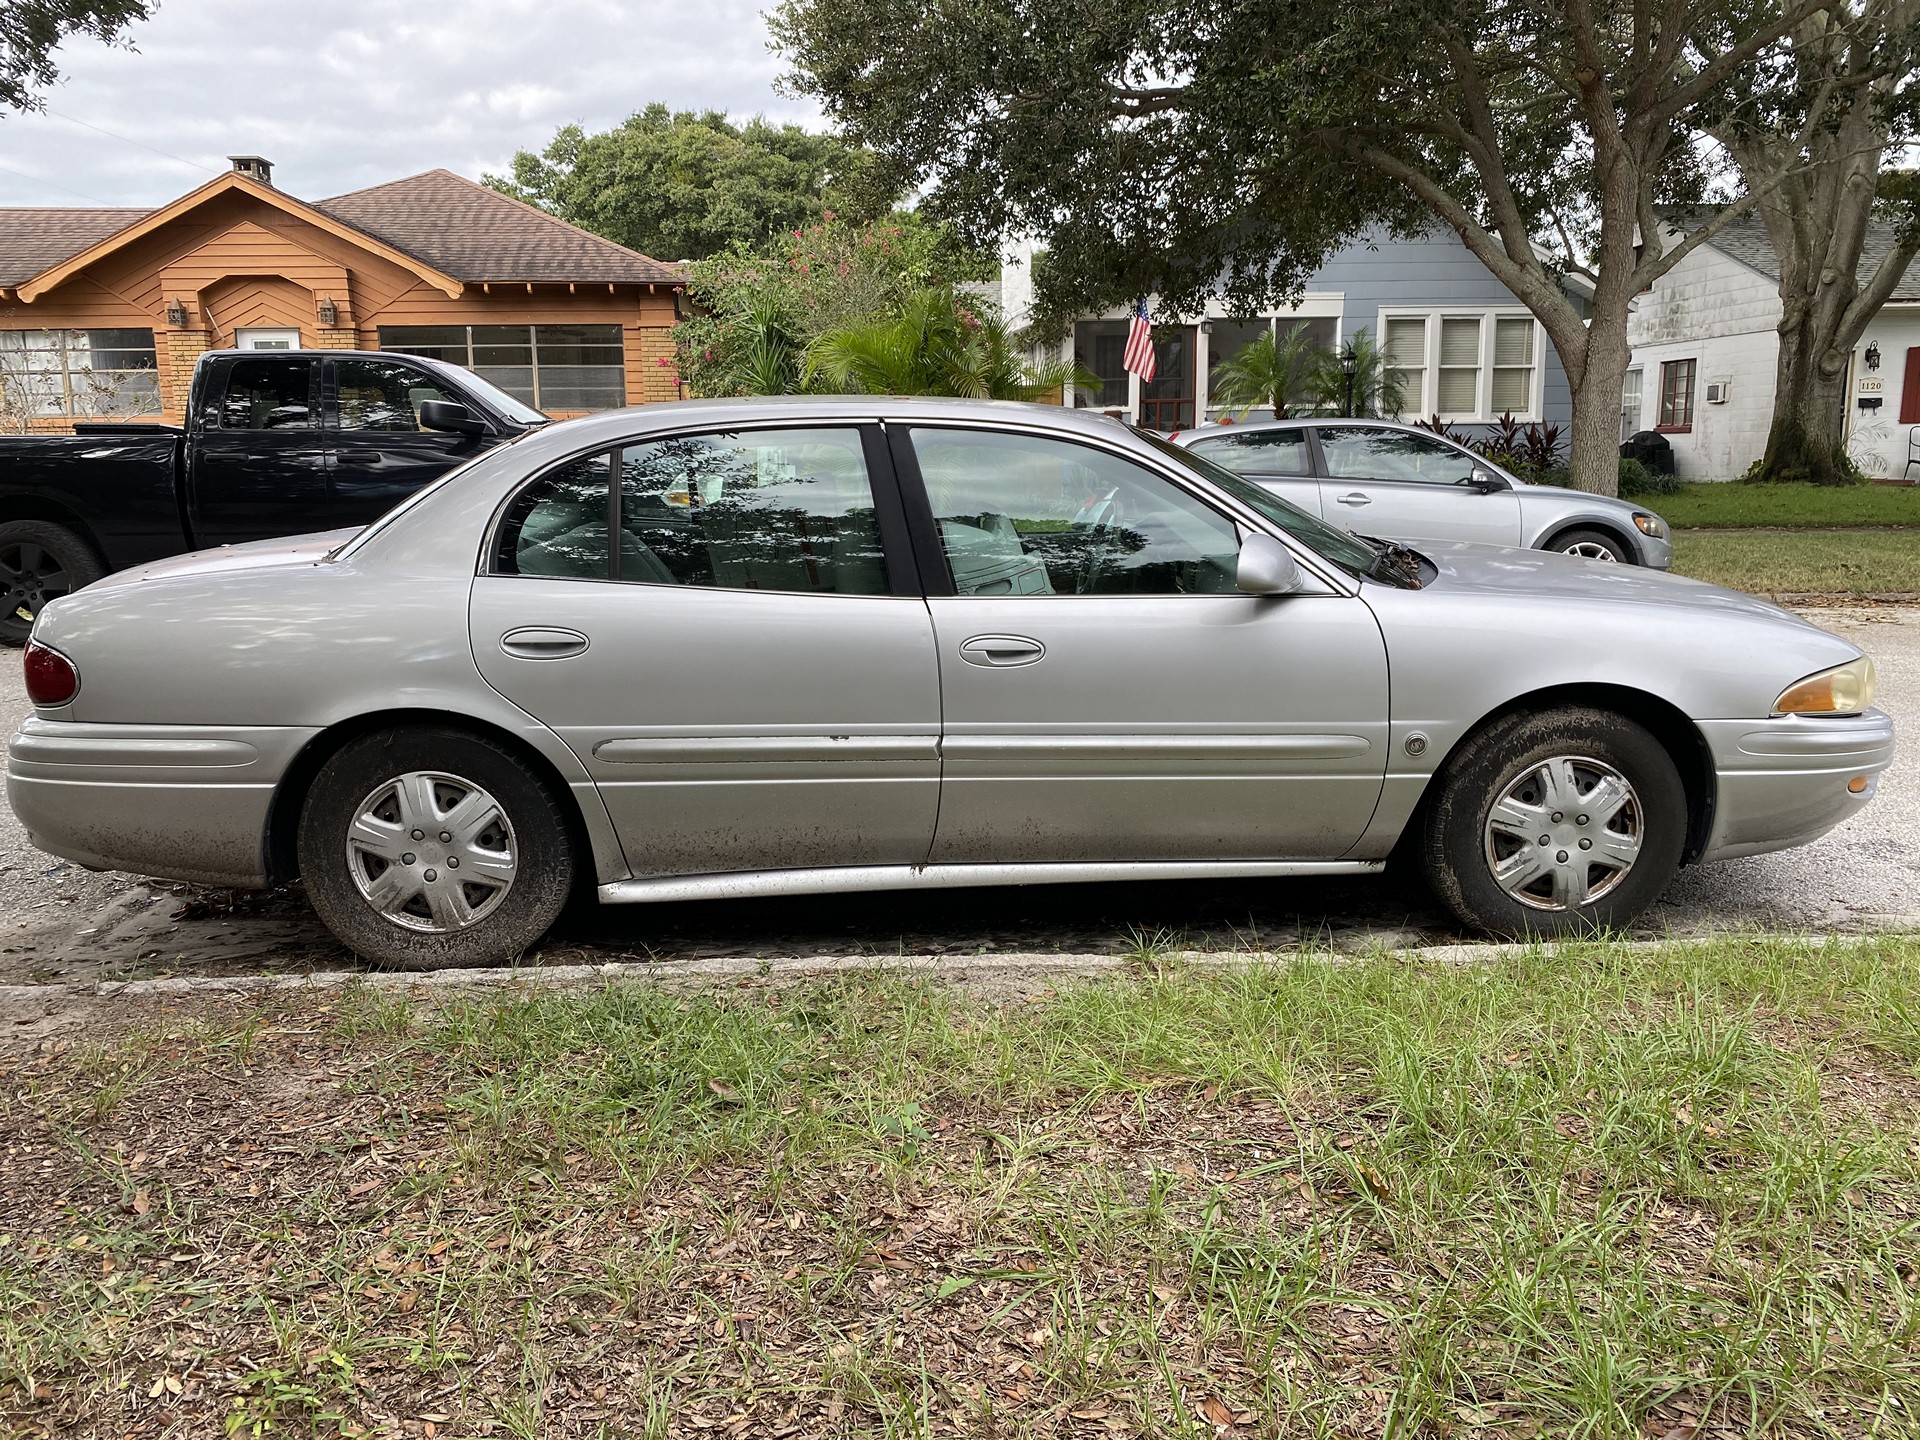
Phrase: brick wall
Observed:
(659, 368)
(345, 339)
(178, 352)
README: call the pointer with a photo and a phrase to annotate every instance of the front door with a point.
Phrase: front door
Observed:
(1401, 486)
(379, 453)
(1166, 401)
(266, 339)
(258, 462)
(736, 673)
(1109, 693)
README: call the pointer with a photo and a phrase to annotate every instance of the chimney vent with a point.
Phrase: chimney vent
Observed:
(254, 167)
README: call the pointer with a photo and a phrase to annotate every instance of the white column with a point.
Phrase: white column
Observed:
(1134, 389)
(1202, 353)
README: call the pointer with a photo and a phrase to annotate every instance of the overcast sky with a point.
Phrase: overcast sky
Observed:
(346, 93)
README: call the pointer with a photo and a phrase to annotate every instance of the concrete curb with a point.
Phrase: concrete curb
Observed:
(736, 968)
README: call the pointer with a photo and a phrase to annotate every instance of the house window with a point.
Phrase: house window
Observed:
(78, 372)
(1630, 404)
(1227, 338)
(1100, 347)
(551, 367)
(1676, 395)
(1482, 365)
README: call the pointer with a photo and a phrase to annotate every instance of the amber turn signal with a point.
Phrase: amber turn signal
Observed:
(1844, 690)
(1857, 785)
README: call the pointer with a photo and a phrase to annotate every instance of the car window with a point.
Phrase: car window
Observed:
(557, 526)
(1357, 452)
(382, 395)
(1258, 452)
(1025, 515)
(268, 395)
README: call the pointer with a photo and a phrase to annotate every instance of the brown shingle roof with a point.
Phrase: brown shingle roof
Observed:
(35, 238)
(476, 234)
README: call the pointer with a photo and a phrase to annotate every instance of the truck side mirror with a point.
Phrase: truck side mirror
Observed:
(1266, 567)
(451, 416)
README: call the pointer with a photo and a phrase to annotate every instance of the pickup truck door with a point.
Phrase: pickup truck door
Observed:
(258, 457)
(379, 455)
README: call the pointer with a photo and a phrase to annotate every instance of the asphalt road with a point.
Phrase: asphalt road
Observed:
(60, 923)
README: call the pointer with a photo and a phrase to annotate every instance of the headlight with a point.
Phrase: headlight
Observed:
(1844, 690)
(1650, 524)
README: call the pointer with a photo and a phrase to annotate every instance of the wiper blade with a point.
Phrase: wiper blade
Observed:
(1401, 561)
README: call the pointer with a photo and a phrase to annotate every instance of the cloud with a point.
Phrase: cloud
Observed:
(347, 93)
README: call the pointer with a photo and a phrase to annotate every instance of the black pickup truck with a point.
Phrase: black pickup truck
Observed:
(277, 442)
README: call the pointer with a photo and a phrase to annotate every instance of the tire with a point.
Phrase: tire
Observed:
(1593, 545)
(381, 879)
(1518, 764)
(39, 561)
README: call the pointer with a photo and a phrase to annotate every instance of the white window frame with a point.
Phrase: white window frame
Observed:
(1426, 403)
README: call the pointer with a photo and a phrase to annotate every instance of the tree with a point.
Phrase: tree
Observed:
(31, 30)
(939, 343)
(683, 186)
(1274, 370)
(1376, 391)
(1850, 65)
(1190, 147)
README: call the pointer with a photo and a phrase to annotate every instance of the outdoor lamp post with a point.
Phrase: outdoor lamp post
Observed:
(1349, 366)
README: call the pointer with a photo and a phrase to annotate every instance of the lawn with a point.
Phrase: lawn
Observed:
(1611, 1192)
(1777, 562)
(1734, 506)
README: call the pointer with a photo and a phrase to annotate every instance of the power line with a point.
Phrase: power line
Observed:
(68, 188)
(128, 139)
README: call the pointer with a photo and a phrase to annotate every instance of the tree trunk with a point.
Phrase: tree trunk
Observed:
(1593, 450)
(1806, 442)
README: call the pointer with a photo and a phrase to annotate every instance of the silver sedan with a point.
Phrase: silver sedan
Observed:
(1402, 482)
(728, 649)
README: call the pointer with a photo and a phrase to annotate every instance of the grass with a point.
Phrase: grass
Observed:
(1788, 562)
(1609, 1192)
(1736, 506)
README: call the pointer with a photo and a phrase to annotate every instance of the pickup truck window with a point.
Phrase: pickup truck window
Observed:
(382, 395)
(268, 395)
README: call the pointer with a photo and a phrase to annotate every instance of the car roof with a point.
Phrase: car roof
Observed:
(1210, 432)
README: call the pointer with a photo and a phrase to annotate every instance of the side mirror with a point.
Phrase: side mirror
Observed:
(1266, 567)
(1488, 483)
(450, 416)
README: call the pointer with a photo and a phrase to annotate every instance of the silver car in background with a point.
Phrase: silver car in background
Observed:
(739, 648)
(1402, 482)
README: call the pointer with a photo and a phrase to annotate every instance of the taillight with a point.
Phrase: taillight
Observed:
(51, 678)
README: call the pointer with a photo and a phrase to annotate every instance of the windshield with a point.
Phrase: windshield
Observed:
(515, 410)
(1344, 549)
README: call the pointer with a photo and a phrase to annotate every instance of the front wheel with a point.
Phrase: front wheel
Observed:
(1593, 545)
(429, 848)
(1564, 822)
(39, 562)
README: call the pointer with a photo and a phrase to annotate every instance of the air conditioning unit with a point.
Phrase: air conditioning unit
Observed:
(1717, 391)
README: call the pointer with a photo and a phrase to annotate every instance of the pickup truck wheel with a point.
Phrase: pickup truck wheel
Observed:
(1563, 822)
(39, 562)
(428, 848)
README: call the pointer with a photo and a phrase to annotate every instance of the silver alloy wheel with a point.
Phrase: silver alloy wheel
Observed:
(1591, 550)
(1563, 833)
(432, 852)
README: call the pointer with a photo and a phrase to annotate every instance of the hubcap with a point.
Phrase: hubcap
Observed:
(1564, 833)
(29, 578)
(1591, 550)
(432, 852)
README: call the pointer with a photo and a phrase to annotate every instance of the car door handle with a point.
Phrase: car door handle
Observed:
(538, 642)
(360, 457)
(1001, 651)
(1355, 498)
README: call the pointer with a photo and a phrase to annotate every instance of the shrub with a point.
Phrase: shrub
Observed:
(1638, 479)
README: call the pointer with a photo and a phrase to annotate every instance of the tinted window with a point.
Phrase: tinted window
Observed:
(1358, 453)
(755, 510)
(557, 526)
(268, 395)
(1258, 452)
(1021, 515)
(380, 395)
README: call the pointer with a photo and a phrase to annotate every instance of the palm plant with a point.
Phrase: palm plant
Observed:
(1378, 390)
(760, 354)
(939, 343)
(1275, 370)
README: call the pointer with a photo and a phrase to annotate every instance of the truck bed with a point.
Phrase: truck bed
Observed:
(120, 480)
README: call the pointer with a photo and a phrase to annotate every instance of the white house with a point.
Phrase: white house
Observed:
(1705, 345)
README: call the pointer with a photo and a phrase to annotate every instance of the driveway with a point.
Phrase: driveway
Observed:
(60, 923)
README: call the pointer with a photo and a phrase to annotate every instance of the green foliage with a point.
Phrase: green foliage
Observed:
(31, 30)
(679, 185)
(1794, 458)
(1530, 450)
(760, 307)
(1275, 371)
(1377, 391)
(1639, 479)
(939, 343)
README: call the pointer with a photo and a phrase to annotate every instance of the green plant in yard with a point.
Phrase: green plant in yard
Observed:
(940, 343)
(1378, 391)
(1637, 478)
(1275, 371)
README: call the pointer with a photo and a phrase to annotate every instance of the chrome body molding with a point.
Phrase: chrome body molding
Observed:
(752, 884)
(762, 749)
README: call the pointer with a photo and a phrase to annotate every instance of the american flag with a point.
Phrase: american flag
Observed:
(1139, 357)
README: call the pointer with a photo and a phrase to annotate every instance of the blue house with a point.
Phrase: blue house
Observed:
(1466, 349)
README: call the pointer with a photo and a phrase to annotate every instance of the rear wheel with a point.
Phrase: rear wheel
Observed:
(1564, 822)
(430, 848)
(1593, 545)
(39, 561)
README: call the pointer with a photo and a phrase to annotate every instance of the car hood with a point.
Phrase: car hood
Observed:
(1544, 574)
(254, 555)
